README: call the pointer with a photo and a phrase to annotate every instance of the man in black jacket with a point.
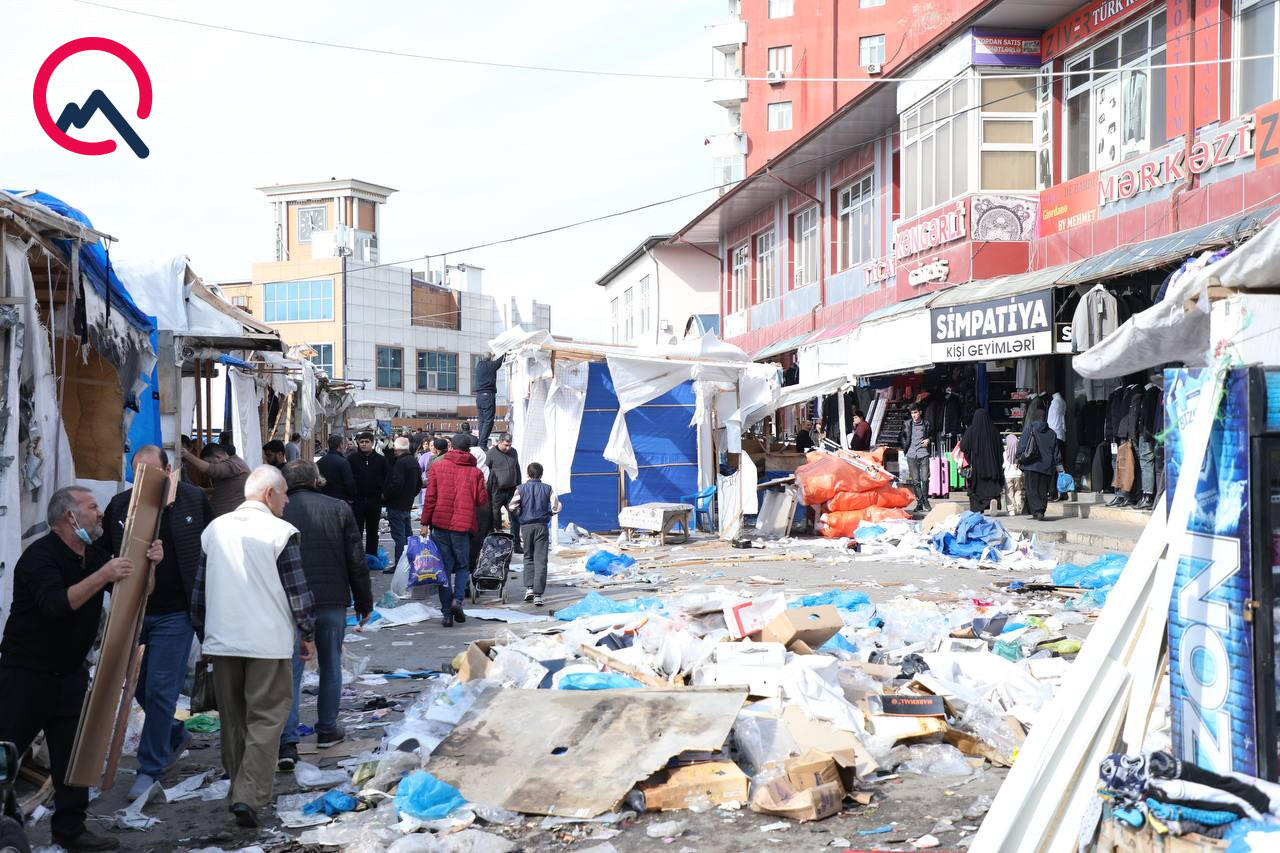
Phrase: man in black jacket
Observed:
(403, 485)
(485, 386)
(914, 440)
(166, 626)
(336, 470)
(369, 470)
(504, 478)
(336, 574)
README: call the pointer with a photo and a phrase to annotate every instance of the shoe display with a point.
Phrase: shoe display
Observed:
(458, 615)
(325, 739)
(86, 841)
(245, 816)
(288, 758)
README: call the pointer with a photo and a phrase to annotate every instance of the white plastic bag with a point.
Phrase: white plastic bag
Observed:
(400, 582)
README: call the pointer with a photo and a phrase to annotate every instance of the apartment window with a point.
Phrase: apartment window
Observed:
(1257, 37)
(807, 246)
(240, 302)
(780, 116)
(613, 320)
(727, 170)
(310, 220)
(437, 371)
(390, 367)
(1007, 158)
(781, 8)
(726, 63)
(643, 296)
(1115, 102)
(780, 59)
(628, 317)
(853, 223)
(323, 358)
(935, 149)
(740, 278)
(766, 280)
(297, 301)
(868, 4)
(871, 50)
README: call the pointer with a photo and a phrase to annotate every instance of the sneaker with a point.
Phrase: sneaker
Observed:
(288, 758)
(86, 841)
(141, 785)
(528, 595)
(245, 816)
(537, 601)
(326, 739)
(458, 615)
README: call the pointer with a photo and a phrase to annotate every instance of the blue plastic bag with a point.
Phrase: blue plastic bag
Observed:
(1066, 483)
(608, 563)
(1103, 572)
(597, 681)
(377, 562)
(842, 599)
(595, 604)
(425, 797)
(331, 804)
(426, 566)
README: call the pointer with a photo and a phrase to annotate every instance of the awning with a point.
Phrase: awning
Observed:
(779, 347)
(831, 333)
(1174, 247)
(793, 394)
(1008, 285)
(893, 339)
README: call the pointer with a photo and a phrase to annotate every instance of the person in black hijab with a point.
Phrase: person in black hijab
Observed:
(1040, 449)
(982, 449)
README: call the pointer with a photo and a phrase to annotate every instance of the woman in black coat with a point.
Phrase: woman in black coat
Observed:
(1039, 442)
(984, 453)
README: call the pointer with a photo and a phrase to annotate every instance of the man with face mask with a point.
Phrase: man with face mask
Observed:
(57, 602)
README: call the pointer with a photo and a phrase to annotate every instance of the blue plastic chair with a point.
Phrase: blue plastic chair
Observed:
(701, 506)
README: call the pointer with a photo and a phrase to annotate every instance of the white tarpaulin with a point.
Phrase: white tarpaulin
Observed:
(32, 471)
(244, 409)
(159, 287)
(891, 345)
(1176, 329)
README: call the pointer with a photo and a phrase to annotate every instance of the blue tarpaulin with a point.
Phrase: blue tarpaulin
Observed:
(664, 442)
(976, 537)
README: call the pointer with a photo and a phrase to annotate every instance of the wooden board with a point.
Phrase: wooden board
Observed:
(108, 691)
(576, 753)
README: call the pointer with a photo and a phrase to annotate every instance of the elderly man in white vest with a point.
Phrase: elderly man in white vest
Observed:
(249, 606)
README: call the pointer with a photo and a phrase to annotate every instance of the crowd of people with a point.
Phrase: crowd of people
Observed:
(261, 566)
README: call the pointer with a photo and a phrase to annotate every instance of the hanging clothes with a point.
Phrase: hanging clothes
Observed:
(1025, 375)
(1099, 314)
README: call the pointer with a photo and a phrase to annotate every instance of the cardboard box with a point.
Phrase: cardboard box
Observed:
(747, 617)
(756, 666)
(779, 797)
(716, 781)
(851, 756)
(812, 626)
(905, 728)
(812, 769)
(909, 705)
(474, 661)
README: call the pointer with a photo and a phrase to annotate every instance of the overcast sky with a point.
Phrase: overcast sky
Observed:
(477, 154)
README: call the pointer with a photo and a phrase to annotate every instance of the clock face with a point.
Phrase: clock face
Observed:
(310, 219)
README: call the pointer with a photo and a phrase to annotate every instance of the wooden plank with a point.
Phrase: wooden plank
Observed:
(607, 660)
(104, 697)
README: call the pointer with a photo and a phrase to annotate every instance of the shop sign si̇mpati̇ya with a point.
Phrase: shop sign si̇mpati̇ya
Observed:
(1009, 327)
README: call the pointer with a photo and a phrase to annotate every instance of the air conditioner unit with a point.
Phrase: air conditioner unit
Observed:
(369, 250)
(873, 68)
(774, 76)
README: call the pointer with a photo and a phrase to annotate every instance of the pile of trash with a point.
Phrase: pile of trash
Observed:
(849, 488)
(805, 704)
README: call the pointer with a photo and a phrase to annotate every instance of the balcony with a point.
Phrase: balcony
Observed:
(728, 92)
(730, 35)
(732, 144)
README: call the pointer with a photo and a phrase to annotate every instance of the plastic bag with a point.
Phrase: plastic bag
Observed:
(935, 759)
(597, 681)
(846, 501)
(426, 566)
(608, 563)
(311, 776)
(1103, 572)
(377, 562)
(842, 599)
(895, 497)
(202, 695)
(425, 797)
(595, 604)
(333, 803)
(1066, 483)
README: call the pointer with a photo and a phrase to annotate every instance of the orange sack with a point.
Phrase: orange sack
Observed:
(835, 525)
(895, 496)
(822, 478)
(845, 501)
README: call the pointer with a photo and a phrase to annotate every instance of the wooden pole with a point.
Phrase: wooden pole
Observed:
(208, 399)
(198, 418)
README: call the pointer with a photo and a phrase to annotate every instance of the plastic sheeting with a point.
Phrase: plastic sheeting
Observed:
(244, 411)
(1170, 331)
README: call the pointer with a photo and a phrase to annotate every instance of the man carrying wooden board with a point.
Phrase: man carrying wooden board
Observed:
(57, 603)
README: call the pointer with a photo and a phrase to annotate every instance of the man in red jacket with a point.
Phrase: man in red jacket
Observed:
(454, 491)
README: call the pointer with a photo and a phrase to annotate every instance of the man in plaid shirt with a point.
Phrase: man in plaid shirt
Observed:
(249, 604)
